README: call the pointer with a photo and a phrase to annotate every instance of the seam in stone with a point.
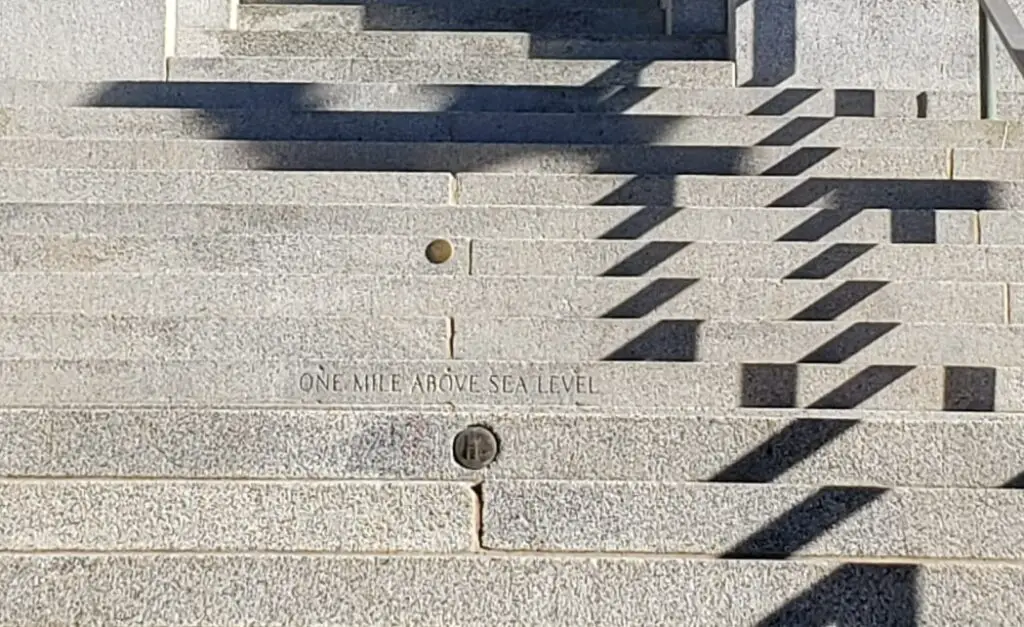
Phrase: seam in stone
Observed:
(976, 224)
(170, 35)
(469, 257)
(451, 337)
(951, 164)
(453, 189)
(1006, 303)
(478, 516)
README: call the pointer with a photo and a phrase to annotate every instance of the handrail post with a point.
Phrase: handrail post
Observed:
(986, 60)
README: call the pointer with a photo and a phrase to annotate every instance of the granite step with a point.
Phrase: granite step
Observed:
(847, 194)
(718, 340)
(209, 154)
(310, 188)
(752, 446)
(753, 224)
(377, 254)
(696, 101)
(296, 382)
(558, 18)
(198, 336)
(443, 45)
(753, 521)
(474, 590)
(541, 129)
(264, 294)
(560, 72)
(218, 254)
(198, 516)
(757, 260)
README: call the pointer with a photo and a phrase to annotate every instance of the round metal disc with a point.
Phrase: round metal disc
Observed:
(475, 447)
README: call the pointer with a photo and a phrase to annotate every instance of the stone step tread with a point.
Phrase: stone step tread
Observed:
(586, 222)
(753, 521)
(434, 156)
(732, 101)
(592, 73)
(475, 590)
(308, 383)
(127, 186)
(298, 254)
(90, 515)
(262, 294)
(473, 16)
(791, 260)
(205, 336)
(714, 340)
(803, 447)
(199, 336)
(441, 44)
(541, 129)
(293, 5)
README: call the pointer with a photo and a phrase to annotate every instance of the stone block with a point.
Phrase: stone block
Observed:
(863, 44)
(248, 294)
(757, 260)
(240, 516)
(736, 191)
(410, 590)
(83, 40)
(285, 254)
(230, 187)
(271, 17)
(199, 337)
(715, 340)
(753, 521)
(204, 15)
(413, 45)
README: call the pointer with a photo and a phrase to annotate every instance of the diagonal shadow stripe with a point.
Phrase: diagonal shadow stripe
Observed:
(794, 131)
(648, 257)
(848, 343)
(784, 450)
(829, 261)
(653, 295)
(668, 340)
(799, 162)
(784, 101)
(840, 300)
(804, 523)
(854, 594)
(861, 387)
(641, 223)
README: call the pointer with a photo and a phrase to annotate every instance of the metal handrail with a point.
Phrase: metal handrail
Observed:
(996, 18)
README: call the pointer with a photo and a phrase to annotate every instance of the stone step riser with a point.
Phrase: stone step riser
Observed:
(313, 517)
(447, 589)
(759, 101)
(808, 447)
(459, 383)
(753, 521)
(568, 20)
(469, 157)
(450, 46)
(563, 73)
(389, 255)
(520, 339)
(870, 226)
(250, 294)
